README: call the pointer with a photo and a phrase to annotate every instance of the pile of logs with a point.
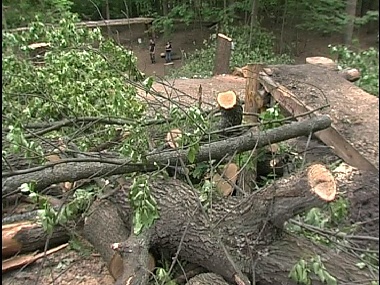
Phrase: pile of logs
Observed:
(239, 239)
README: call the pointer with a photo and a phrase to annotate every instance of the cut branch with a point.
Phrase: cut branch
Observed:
(29, 236)
(253, 223)
(74, 171)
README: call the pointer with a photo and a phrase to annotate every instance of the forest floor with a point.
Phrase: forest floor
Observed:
(359, 110)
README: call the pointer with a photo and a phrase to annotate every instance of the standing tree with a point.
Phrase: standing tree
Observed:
(351, 13)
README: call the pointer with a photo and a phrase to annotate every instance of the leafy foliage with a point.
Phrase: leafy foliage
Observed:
(302, 269)
(144, 206)
(74, 79)
(367, 61)
(80, 75)
(50, 217)
(201, 62)
(21, 13)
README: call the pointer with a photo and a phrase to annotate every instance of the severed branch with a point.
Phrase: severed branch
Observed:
(61, 171)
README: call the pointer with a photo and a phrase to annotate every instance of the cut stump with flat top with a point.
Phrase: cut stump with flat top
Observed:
(223, 55)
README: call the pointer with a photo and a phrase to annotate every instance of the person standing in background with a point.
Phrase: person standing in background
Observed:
(152, 51)
(168, 52)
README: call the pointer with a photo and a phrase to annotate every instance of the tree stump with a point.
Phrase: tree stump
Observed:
(223, 55)
(230, 108)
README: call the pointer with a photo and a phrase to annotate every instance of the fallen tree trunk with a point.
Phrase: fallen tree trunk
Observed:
(70, 170)
(238, 237)
(29, 236)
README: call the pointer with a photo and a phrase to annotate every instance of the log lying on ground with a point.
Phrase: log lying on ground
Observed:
(238, 231)
(29, 236)
(351, 74)
(24, 260)
(63, 171)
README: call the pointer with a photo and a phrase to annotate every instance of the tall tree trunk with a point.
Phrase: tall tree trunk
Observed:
(165, 10)
(351, 13)
(108, 17)
(4, 21)
(255, 5)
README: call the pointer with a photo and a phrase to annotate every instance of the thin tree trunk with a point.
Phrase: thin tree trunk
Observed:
(283, 27)
(351, 12)
(253, 20)
(107, 18)
(4, 21)
(165, 10)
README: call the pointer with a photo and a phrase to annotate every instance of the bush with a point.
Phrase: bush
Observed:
(201, 62)
(367, 61)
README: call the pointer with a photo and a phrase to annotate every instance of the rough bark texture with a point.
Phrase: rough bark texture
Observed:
(207, 278)
(104, 227)
(237, 232)
(231, 117)
(251, 92)
(351, 12)
(223, 54)
(28, 237)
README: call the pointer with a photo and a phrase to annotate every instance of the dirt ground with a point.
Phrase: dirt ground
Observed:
(70, 267)
(189, 40)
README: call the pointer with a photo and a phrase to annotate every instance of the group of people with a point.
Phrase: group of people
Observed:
(152, 51)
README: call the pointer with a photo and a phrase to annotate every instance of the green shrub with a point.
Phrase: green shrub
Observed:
(201, 62)
(366, 61)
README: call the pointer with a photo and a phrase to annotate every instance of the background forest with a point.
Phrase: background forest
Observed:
(274, 31)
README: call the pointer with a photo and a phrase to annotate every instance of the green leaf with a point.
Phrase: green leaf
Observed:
(191, 155)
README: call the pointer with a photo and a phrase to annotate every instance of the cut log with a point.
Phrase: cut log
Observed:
(322, 61)
(322, 182)
(29, 236)
(103, 219)
(74, 171)
(253, 222)
(24, 260)
(223, 55)
(224, 182)
(230, 108)
(102, 23)
(252, 100)
(351, 74)
(173, 137)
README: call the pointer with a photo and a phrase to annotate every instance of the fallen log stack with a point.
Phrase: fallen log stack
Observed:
(239, 238)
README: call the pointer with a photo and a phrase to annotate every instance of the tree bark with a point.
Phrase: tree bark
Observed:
(253, 22)
(351, 13)
(29, 236)
(223, 55)
(236, 233)
(247, 177)
(63, 171)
